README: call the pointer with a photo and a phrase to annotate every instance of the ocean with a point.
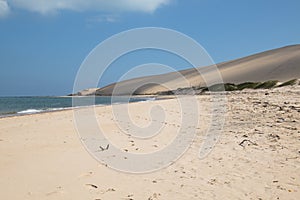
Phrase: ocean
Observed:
(11, 106)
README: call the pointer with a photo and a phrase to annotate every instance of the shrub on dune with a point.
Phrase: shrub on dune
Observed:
(287, 83)
(248, 85)
(267, 85)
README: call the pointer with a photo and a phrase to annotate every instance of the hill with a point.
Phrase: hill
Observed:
(281, 64)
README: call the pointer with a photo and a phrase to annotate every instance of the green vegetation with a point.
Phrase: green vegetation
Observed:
(228, 87)
(291, 82)
(217, 87)
(267, 85)
(222, 87)
(170, 92)
(247, 85)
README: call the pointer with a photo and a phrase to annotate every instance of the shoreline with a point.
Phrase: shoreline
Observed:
(248, 87)
(59, 109)
(155, 97)
(256, 156)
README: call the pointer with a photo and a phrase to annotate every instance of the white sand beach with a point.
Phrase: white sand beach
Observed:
(256, 157)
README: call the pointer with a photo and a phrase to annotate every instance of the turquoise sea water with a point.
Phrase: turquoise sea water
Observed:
(28, 105)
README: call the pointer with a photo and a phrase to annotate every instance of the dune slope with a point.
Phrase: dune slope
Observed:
(279, 64)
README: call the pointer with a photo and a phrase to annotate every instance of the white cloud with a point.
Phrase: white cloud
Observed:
(103, 18)
(4, 9)
(50, 6)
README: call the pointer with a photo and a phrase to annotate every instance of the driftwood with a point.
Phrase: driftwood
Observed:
(92, 185)
(104, 149)
(246, 140)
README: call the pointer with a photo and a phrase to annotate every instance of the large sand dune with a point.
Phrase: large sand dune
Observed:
(280, 64)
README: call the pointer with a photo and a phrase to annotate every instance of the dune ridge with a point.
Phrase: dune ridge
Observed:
(280, 64)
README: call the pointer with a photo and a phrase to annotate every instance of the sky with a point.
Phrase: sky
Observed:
(43, 43)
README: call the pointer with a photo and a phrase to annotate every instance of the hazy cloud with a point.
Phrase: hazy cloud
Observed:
(4, 9)
(103, 18)
(50, 6)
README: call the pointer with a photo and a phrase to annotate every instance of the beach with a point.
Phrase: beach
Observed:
(257, 155)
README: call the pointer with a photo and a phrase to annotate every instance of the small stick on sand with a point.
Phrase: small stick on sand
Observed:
(246, 140)
(104, 149)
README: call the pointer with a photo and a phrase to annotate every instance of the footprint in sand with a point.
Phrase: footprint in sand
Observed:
(88, 174)
(58, 190)
(154, 196)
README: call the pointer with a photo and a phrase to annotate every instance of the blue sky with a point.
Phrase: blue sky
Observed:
(42, 45)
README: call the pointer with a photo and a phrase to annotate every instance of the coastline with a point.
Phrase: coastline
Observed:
(149, 100)
(257, 155)
(33, 111)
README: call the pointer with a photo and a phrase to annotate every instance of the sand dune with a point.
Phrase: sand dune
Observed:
(280, 64)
